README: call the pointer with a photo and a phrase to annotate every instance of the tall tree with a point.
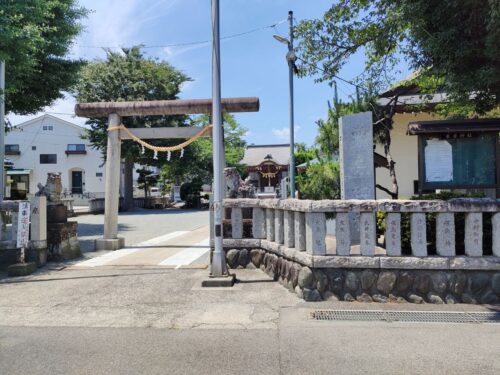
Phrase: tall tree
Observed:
(36, 38)
(129, 76)
(455, 42)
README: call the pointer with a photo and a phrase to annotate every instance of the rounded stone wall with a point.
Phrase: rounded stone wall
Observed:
(372, 285)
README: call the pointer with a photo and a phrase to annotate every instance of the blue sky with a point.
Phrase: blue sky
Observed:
(252, 65)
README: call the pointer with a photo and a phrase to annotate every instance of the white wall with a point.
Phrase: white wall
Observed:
(404, 151)
(31, 134)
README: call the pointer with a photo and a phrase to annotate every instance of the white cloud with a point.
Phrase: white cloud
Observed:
(284, 133)
(117, 23)
(175, 51)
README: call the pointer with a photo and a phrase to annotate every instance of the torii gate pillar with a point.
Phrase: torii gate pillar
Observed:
(111, 241)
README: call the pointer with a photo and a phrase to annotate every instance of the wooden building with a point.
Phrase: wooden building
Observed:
(267, 167)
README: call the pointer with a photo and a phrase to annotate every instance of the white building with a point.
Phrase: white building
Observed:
(49, 144)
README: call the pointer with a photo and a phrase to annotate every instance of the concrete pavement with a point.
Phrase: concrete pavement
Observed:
(138, 312)
(160, 321)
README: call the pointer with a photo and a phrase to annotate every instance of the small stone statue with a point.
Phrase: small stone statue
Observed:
(246, 189)
(236, 187)
(233, 180)
(52, 189)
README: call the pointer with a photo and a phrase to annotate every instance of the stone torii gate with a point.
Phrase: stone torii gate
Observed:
(114, 111)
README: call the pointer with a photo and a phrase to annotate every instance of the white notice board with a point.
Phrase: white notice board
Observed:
(23, 224)
(438, 161)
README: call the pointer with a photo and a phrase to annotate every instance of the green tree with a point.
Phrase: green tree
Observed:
(36, 38)
(453, 42)
(304, 154)
(146, 179)
(130, 76)
(197, 161)
(320, 181)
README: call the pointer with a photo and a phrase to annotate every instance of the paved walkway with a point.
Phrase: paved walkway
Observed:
(186, 249)
(140, 225)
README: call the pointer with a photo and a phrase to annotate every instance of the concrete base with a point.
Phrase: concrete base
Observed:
(21, 269)
(219, 282)
(110, 244)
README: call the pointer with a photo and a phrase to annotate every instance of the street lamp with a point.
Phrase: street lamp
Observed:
(290, 58)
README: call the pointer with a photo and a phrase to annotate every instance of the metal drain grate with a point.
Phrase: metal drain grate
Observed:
(406, 316)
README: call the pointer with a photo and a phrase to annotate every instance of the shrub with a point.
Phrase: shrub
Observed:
(431, 225)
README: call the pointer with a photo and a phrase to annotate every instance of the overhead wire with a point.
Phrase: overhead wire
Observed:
(200, 42)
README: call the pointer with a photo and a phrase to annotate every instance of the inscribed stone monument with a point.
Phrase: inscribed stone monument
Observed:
(357, 175)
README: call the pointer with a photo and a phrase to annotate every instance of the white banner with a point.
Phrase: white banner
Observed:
(23, 224)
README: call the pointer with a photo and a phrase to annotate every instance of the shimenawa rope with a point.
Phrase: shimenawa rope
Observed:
(157, 149)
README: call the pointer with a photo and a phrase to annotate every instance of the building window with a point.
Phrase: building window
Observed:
(12, 150)
(98, 174)
(76, 147)
(73, 149)
(48, 127)
(33, 148)
(48, 158)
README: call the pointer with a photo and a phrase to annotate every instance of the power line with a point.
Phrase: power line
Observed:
(337, 77)
(194, 42)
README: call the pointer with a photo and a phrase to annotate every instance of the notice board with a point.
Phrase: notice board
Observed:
(458, 161)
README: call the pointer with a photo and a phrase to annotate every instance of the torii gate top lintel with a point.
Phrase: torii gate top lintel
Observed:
(114, 111)
(165, 107)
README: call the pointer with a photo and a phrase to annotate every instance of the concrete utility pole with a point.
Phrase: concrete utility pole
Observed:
(291, 58)
(218, 268)
(2, 129)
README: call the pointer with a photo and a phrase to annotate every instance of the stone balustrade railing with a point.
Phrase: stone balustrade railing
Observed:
(301, 225)
(288, 240)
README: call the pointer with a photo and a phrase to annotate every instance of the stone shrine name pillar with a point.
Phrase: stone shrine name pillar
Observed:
(357, 175)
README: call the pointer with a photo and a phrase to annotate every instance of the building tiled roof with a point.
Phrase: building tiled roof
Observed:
(256, 154)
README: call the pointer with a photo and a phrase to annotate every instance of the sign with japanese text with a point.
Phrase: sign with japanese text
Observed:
(23, 225)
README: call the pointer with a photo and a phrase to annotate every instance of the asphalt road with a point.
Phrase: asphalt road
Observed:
(160, 321)
(126, 318)
(140, 225)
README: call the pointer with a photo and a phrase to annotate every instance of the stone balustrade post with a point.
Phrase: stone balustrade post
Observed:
(38, 227)
(445, 234)
(393, 234)
(495, 233)
(278, 227)
(315, 233)
(270, 224)
(3, 225)
(343, 233)
(289, 228)
(13, 230)
(474, 234)
(236, 222)
(258, 223)
(368, 233)
(418, 234)
(300, 231)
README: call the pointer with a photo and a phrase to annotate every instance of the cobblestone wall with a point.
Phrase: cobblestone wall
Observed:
(372, 285)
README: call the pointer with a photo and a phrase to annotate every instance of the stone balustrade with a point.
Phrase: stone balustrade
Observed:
(301, 225)
(284, 237)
